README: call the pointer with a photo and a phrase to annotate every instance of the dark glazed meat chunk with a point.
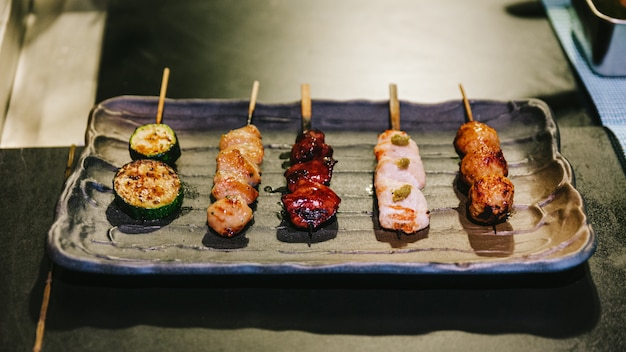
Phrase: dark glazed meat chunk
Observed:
(311, 204)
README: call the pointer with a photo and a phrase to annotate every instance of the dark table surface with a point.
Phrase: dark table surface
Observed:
(346, 50)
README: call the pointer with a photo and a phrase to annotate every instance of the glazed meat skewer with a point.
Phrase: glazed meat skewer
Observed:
(399, 177)
(310, 202)
(237, 176)
(484, 169)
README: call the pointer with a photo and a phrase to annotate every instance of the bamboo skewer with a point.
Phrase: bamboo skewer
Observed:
(164, 82)
(470, 118)
(468, 108)
(253, 98)
(305, 93)
(305, 106)
(41, 323)
(394, 107)
(394, 117)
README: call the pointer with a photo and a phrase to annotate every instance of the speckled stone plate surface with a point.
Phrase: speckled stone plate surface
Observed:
(548, 230)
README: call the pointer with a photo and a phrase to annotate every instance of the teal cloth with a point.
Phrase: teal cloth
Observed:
(608, 93)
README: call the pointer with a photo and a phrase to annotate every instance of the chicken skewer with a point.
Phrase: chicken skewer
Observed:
(311, 202)
(237, 176)
(484, 169)
(399, 177)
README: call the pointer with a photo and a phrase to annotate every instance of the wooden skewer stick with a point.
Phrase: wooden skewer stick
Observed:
(164, 81)
(394, 107)
(394, 116)
(253, 97)
(305, 106)
(305, 92)
(468, 108)
(41, 324)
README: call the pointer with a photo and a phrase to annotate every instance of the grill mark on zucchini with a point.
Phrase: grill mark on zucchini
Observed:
(148, 189)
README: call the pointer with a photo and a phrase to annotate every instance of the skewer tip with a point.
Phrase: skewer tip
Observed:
(468, 108)
(164, 82)
(253, 98)
(311, 228)
(394, 107)
(305, 94)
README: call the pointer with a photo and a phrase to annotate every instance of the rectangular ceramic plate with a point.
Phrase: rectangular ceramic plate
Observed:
(548, 230)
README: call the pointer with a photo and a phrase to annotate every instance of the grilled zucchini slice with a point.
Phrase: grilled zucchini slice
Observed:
(148, 189)
(155, 141)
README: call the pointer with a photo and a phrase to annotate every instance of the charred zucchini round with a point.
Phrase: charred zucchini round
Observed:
(148, 189)
(155, 141)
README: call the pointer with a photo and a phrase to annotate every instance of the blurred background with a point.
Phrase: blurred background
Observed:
(60, 57)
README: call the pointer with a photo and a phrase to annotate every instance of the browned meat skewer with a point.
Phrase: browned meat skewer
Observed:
(237, 176)
(484, 169)
(311, 202)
